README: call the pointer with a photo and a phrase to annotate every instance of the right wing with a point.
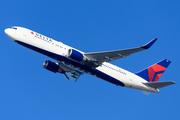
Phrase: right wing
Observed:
(100, 57)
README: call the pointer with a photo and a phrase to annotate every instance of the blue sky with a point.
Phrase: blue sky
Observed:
(29, 92)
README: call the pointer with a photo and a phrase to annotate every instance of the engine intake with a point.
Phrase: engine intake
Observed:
(52, 66)
(74, 54)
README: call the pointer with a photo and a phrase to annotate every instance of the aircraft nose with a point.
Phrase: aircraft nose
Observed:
(6, 31)
(10, 33)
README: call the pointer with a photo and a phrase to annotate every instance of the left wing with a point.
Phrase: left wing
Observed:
(100, 57)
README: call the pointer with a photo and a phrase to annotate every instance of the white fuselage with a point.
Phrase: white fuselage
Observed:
(59, 51)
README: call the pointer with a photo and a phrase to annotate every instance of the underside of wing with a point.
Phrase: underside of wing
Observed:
(117, 54)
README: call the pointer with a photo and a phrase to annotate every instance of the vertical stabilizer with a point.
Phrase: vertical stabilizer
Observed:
(154, 72)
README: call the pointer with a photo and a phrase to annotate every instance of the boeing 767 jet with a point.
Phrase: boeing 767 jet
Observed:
(73, 63)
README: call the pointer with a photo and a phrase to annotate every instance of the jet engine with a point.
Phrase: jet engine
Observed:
(52, 66)
(76, 55)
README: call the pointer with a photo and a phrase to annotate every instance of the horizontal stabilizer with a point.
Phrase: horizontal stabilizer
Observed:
(159, 84)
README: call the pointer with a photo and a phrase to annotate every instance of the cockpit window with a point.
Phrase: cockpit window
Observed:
(14, 28)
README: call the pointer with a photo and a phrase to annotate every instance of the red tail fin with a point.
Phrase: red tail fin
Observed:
(154, 72)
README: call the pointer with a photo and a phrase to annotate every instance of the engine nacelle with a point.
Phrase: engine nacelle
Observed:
(76, 55)
(52, 66)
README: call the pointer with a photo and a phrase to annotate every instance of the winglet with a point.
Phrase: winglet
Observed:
(148, 45)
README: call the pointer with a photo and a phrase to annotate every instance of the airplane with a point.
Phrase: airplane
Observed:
(73, 63)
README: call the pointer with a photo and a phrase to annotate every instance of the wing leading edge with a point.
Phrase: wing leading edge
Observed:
(117, 54)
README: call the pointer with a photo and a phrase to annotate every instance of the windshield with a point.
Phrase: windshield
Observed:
(14, 28)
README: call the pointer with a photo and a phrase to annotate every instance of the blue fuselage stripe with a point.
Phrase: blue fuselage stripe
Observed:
(67, 61)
